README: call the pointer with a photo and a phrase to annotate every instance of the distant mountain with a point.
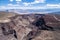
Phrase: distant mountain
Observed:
(33, 11)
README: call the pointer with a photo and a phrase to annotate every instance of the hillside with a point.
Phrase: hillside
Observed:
(29, 27)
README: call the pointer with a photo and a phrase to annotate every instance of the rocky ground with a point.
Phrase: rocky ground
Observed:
(29, 27)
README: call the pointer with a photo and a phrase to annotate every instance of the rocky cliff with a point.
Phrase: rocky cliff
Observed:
(29, 27)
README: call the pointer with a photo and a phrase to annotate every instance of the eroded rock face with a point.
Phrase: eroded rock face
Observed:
(45, 35)
(27, 27)
(18, 27)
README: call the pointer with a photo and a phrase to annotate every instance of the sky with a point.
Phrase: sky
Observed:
(29, 4)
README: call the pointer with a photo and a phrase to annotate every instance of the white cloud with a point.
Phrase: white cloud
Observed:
(11, 0)
(18, 0)
(19, 7)
(13, 5)
(16, 6)
(15, 0)
(25, 4)
(53, 5)
(39, 1)
(10, 4)
(35, 2)
(2, 7)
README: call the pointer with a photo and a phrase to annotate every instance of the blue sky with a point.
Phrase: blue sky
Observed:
(5, 2)
(31, 4)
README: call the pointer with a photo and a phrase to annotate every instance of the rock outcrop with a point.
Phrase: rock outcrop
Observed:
(27, 27)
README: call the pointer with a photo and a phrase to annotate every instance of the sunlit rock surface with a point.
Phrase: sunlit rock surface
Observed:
(20, 27)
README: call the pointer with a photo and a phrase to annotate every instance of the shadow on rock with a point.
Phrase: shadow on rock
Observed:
(41, 24)
(7, 31)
